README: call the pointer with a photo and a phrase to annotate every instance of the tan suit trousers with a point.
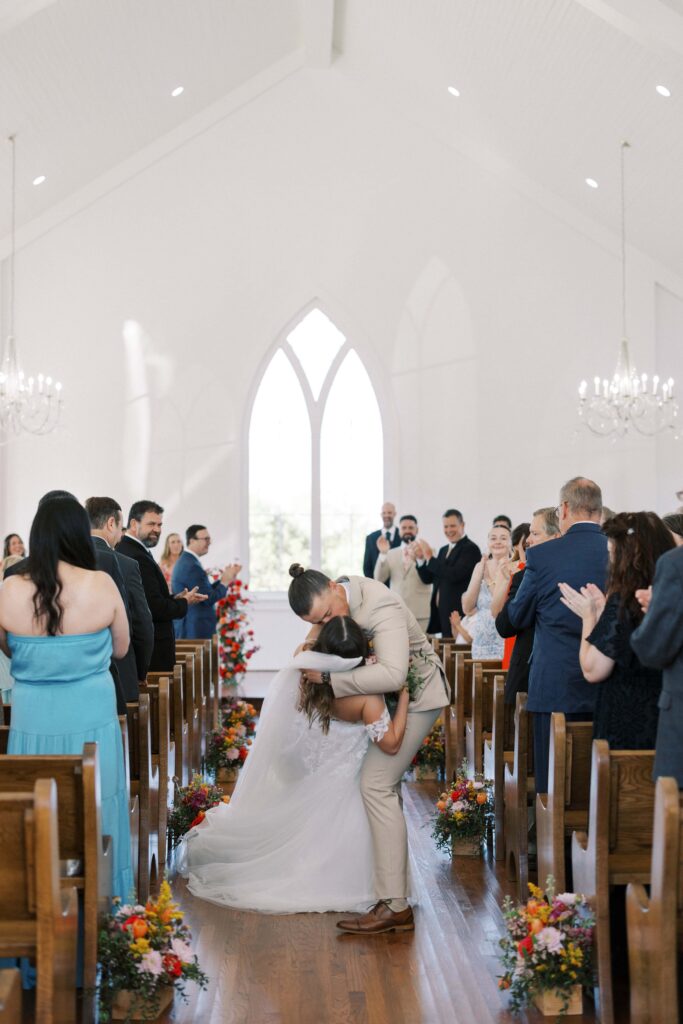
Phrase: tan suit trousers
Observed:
(380, 785)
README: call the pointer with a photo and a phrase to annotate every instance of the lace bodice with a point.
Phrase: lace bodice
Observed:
(486, 642)
(377, 730)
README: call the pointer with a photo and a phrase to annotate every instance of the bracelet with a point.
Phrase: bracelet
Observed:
(326, 678)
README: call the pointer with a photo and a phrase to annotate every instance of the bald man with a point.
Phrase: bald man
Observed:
(389, 532)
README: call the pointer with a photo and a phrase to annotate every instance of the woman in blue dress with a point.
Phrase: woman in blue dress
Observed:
(61, 623)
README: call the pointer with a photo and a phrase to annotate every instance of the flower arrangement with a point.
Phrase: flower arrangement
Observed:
(240, 714)
(144, 952)
(463, 811)
(228, 747)
(190, 806)
(235, 638)
(548, 946)
(431, 755)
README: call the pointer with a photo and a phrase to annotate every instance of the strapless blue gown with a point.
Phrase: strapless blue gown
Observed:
(64, 697)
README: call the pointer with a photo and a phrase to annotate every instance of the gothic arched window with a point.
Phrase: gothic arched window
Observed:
(316, 457)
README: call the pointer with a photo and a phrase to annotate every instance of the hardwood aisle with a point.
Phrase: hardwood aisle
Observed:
(301, 970)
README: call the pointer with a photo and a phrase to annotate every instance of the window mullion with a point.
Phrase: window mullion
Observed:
(315, 412)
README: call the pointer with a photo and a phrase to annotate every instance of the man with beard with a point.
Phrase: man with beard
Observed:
(396, 566)
(144, 529)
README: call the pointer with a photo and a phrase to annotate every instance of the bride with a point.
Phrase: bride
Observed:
(295, 836)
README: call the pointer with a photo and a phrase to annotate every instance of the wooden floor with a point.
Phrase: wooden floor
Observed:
(301, 970)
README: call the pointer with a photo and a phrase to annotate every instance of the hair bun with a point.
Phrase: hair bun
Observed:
(296, 570)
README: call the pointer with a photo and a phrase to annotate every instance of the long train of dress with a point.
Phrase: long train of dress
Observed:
(295, 837)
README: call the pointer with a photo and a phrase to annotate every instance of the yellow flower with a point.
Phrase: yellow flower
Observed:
(139, 946)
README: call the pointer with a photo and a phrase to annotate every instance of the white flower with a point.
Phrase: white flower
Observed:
(232, 754)
(477, 785)
(459, 805)
(151, 963)
(550, 939)
(241, 730)
(182, 951)
(126, 910)
(568, 898)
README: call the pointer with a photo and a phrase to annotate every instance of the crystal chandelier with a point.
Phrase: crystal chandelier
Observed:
(629, 400)
(30, 405)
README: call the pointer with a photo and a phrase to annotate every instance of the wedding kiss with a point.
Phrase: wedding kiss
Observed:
(316, 821)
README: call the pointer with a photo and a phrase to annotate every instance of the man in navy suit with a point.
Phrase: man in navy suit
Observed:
(189, 574)
(658, 642)
(390, 534)
(579, 557)
(450, 570)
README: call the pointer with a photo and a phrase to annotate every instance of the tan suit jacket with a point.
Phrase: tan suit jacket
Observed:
(395, 637)
(405, 582)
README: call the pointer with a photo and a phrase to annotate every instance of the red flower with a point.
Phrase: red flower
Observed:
(172, 965)
(525, 947)
(243, 753)
(200, 817)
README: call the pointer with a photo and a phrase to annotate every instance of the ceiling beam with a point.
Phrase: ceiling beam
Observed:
(650, 22)
(317, 18)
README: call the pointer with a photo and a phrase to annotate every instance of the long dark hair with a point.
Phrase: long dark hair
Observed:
(341, 636)
(60, 531)
(638, 539)
(306, 585)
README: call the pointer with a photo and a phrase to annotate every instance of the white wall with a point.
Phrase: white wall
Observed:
(476, 309)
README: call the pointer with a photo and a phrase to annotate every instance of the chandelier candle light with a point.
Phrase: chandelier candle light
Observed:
(629, 400)
(30, 405)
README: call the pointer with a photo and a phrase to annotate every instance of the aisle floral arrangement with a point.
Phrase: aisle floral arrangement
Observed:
(548, 948)
(463, 811)
(240, 714)
(227, 748)
(144, 956)
(431, 755)
(190, 805)
(235, 638)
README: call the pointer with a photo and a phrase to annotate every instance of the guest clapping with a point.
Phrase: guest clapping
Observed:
(450, 571)
(487, 643)
(626, 707)
(189, 574)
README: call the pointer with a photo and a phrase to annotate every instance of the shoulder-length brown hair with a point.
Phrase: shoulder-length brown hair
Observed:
(638, 539)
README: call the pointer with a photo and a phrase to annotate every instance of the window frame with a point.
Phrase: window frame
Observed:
(316, 410)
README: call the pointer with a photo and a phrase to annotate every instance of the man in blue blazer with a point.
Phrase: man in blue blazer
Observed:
(579, 557)
(188, 572)
(658, 642)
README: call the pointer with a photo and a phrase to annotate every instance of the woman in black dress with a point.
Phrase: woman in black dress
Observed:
(626, 708)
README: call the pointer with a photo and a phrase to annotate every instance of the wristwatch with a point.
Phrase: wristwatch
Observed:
(326, 678)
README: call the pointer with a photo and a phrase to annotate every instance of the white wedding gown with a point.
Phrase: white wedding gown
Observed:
(295, 837)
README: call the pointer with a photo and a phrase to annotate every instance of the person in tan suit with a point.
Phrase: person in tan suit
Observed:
(398, 642)
(396, 566)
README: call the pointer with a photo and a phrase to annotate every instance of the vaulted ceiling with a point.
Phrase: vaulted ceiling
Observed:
(548, 88)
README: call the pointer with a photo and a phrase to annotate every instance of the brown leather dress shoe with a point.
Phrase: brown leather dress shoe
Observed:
(378, 920)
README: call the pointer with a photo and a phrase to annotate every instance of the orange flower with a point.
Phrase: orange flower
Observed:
(481, 798)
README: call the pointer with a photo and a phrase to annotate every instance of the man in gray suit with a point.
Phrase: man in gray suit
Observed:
(397, 567)
(398, 642)
(658, 642)
(106, 525)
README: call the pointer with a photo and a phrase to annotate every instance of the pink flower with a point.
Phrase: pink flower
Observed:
(232, 754)
(182, 951)
(550, 939)
(151, 963)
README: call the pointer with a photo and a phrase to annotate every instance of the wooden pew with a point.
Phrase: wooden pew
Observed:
(499, 751)
(617, 848)
(4, 738)
(564, 808)
(479, 724)
(133, 805)
(205, 648)
(655, 924)
(179, 729)
(449, 721)
(201, 704)
(462, 698)
(10, 996)
(163, 761)
(144, 783)
(38, 918)
(186, 659)
(85, 854)
(518, 791)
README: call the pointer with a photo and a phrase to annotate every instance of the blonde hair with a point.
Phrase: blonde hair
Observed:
(166, 553)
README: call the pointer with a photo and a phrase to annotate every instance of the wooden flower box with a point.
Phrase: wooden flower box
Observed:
(550, 1003)
(133, 1006)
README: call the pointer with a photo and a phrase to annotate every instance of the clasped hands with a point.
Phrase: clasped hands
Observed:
(192, 596)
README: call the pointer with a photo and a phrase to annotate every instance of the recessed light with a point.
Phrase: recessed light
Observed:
(453, 91)
(591, 182)
(39, 180)
(663, 91)
(178, 90)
